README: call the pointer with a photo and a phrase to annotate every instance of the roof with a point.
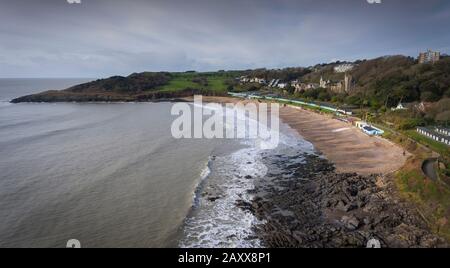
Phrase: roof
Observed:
(369, 128)
(443, 128)
(434, 133)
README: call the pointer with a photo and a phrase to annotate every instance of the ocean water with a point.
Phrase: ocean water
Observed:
(111, 175)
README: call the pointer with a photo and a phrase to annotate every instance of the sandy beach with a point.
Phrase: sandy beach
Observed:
(351, 150)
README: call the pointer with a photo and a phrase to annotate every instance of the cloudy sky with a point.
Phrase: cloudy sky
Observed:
(99, 38)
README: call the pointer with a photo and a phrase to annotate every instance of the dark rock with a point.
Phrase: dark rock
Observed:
(309, 205)
(244, 205)
(213, 198)
(350, 222)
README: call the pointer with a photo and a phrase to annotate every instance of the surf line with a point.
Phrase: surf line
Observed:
(231, 121)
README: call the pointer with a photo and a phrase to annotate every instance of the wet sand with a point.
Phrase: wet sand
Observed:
(347, 147)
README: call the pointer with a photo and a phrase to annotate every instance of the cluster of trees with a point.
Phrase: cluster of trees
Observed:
(321, 94)
(386, 81)
(383, 82)
(439, 111)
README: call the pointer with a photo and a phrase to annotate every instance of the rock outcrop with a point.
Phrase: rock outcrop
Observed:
(312, 206)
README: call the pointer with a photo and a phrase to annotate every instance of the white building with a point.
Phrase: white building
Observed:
(343, 68)
(400, 106)
(323, 83)
(275, 83)
(282, 85)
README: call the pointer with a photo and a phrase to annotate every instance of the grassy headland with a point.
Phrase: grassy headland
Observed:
(145, 86)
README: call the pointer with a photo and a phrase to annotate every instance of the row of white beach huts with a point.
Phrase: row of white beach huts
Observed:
(438, 134)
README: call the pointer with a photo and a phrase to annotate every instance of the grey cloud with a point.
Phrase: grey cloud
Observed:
(107, 37)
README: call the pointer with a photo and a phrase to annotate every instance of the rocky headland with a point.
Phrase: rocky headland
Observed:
(137, 87)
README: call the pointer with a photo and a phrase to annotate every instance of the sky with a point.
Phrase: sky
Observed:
(101, 38)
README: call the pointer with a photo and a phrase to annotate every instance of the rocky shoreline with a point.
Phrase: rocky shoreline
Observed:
(309, 205)
(101, 96)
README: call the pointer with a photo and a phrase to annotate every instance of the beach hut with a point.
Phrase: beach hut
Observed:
(436, 135)
(372, 131)
(360, 124)
(443, 131)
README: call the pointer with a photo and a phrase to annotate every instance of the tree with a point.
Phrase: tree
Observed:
(429, 96)
(324, 96)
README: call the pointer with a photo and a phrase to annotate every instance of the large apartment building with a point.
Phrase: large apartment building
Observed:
(429, 56)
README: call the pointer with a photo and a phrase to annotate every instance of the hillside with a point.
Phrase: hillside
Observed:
(378, 85)
(386, 81)
(399, 78)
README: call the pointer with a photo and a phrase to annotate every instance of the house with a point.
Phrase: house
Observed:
(262, 81)
(344, 112)
(276, 83)
(400, 106)
(323, 83)
(337, 87)
(282, 85)
(244, 79)
(299, 87)
(312, 86)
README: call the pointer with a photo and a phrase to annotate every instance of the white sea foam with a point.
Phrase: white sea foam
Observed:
(205, 171)
(216, 221)
(221, 223)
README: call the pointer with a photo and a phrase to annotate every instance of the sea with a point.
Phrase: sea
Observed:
(111, 175)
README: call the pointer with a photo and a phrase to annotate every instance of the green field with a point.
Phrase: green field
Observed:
(204, 81)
